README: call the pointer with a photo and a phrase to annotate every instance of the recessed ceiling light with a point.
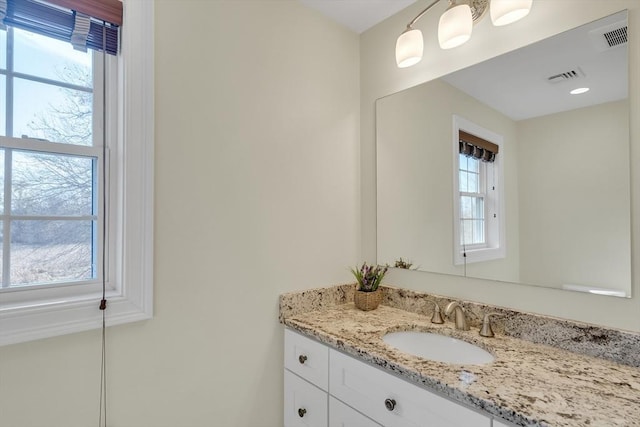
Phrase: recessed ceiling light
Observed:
(579, 90)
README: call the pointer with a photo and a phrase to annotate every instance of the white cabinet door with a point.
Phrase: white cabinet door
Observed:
(307, 358)
(393, 402)
(305, 405)
(340, 415)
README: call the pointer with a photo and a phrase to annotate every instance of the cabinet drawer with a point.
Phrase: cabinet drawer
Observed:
(340, 415)
(307, 358)
(370, 390)
(305, 405)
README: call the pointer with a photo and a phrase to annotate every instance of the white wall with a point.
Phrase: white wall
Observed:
(380, 77)
(257, 193)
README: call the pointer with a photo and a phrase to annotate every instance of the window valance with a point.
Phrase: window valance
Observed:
(82, 23)
(474, 146)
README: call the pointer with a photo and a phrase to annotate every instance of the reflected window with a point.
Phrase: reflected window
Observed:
(478, 224)
(472, 193)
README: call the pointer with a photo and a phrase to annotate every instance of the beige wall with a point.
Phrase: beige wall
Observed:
(415, 176)
(380, 77)
(567, 189)
(257, 193)
(587, 202)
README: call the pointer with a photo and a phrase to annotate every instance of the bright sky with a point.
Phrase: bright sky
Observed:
(43, 57)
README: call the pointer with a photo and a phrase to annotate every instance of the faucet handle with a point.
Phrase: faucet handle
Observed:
(437, 313)
(486, 330)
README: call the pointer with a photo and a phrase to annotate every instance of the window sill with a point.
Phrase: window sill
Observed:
(52, 318)
(479, 255)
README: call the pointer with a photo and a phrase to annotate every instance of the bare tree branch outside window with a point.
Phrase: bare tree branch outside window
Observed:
(47, 184)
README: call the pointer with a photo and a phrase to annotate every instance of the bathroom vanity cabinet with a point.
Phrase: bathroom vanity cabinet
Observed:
(533, 380)
(324, 387)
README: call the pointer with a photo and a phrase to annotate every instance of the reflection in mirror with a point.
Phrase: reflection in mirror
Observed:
(564, 214)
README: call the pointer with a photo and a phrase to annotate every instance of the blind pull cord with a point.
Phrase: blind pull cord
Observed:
(102, 420)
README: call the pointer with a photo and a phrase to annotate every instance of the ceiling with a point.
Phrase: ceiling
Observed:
(535, 80)
(358, 15)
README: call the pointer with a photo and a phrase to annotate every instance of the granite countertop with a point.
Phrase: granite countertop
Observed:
(528, 384)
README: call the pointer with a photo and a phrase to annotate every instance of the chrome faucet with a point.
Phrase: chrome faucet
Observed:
(461, 319)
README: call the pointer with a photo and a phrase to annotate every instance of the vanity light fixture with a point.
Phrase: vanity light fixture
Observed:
(456, 24)
(579, 90)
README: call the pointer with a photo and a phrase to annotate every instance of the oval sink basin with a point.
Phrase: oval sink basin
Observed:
(439, 348)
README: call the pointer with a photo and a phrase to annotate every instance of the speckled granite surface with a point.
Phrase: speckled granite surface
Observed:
(529, 383)
(294, 303)
(616, 345)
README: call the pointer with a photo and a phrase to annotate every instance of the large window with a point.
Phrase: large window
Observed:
(76, 178)
(51, 160)
(478, 196)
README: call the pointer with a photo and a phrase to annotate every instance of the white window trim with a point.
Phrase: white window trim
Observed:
(496, 248)
(132, 298)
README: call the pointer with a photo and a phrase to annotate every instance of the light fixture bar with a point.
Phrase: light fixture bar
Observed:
(421, 14)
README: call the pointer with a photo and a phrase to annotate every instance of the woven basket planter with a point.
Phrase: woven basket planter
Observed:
(367, 300)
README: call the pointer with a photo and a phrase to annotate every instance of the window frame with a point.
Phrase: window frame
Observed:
(495, 242)
(61, 310)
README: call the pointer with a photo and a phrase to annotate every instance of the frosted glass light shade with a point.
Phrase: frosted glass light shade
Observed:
(504, 12)
(409, 48)
(455, 26)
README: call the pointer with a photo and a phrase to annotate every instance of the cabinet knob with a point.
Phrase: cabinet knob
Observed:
(390, 404)
(301, 412)
(302, 358)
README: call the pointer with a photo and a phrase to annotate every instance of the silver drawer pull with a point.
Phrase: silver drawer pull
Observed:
(390, 404)
(302, 358)
(301, 412)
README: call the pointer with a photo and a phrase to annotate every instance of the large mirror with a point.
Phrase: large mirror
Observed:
(561, 174)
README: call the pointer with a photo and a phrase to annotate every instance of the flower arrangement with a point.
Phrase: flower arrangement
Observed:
(369, 277)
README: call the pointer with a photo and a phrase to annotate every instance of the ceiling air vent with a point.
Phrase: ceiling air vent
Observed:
(609, 36)
(570, 75)
(616, 37)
